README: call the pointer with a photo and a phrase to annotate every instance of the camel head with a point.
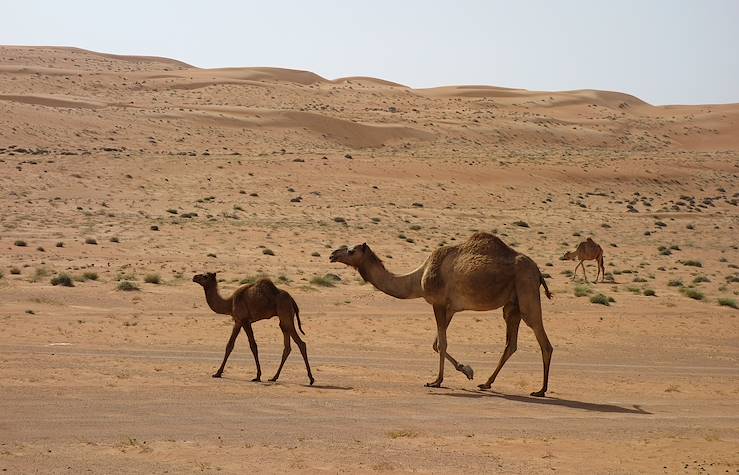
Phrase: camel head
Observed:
(569, 256)
(352, 257)
(206, 280)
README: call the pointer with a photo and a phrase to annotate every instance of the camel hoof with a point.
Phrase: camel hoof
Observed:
(258, 379)
(468, 371)
(433, 385)
(483, 386)
(539, 393)
(217, 375)
(312, 381)
(272, 380)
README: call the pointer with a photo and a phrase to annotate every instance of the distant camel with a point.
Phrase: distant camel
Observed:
(587, 250)
(482, 273)
(251, 303)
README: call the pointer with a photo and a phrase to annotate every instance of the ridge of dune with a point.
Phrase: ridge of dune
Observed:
(55, 95)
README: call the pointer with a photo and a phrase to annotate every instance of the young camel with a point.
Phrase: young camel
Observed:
(482, 273)
(249, 304)
(587, 250)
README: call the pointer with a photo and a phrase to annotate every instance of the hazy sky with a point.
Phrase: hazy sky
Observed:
(664, 51)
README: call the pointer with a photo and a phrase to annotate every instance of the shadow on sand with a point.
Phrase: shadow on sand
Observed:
(551, 401)
(329, 386)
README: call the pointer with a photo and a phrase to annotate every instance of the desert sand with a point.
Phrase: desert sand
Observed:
(147, 170)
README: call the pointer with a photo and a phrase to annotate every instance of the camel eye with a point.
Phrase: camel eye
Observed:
(351, 252)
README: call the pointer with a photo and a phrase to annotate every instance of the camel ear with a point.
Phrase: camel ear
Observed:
(364, 246)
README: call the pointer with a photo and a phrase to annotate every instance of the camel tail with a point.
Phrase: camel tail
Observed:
(297, 315)
(546, 289)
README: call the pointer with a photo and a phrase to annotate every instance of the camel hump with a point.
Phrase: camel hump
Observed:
(486, 244)
(591, 240)
(267, 286)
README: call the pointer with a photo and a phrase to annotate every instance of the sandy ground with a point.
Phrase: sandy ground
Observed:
(96, 150)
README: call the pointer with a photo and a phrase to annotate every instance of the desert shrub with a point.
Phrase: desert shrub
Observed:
(600, 299)
(92, 241)
(327, 280)
(728, 302)
(693, 293)
(268, 252)
(522, 224)
(172, 211)
(62, 279)
(701, 278)
(339, 219)
(127, 286)
(649, 292)
(582, 290)
(675, 283)
(60, 244)
(153, 279)
(114, 239)
(15, 271)
(315, 254)
(20, 243)
(692, 263)
(90, 275)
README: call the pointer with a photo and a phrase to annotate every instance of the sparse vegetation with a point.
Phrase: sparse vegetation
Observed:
(268, 252)
(20, 243)
(328, 280)
(92, 241)
(15, 271)
(649, 293)
(63, 280)
(601, 299)
(127, 286)
(675, 283)
(90, 275)
(114, 239)
(693, 293)
(522, 224)
(728, 302)
(582, 290)
(692, 263)
(153, 279)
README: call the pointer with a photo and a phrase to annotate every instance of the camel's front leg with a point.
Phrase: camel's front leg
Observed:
(254, 350)
(229, 348)
(462, 368)
(443, 318)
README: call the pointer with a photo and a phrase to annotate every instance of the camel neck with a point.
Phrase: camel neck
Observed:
(217, 303)
(406, 286)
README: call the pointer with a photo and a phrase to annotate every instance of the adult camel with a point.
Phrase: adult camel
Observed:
(482, 273)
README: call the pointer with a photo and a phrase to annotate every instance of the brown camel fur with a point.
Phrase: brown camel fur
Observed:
(249, 304)
(587, 250)
(482, 273)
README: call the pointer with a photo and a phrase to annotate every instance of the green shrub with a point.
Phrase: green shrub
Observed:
(692, 263)
(600, 299)
(650, 292)
(127, 286)
(90, 275)
(693, 293)
(727, 302)
(582, 290)
(21, 243)
(324, 281)
(675, 283)
(153, 279)
(701, 278)
(62, 279)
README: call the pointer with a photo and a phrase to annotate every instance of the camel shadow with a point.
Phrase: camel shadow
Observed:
(329, 386)
(549, 401)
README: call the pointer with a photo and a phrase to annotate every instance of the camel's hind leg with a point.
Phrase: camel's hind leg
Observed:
(303, 351)
(285, 351)
(601, 269)
(512, 318)
(529, 303)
